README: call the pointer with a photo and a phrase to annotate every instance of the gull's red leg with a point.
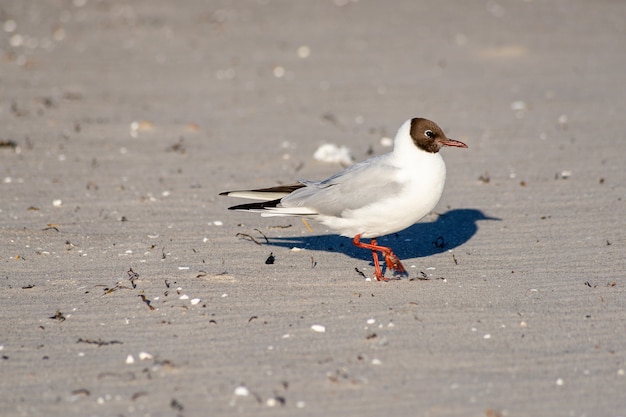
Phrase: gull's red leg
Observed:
(374, 248)
(392, 261)
(377, 272)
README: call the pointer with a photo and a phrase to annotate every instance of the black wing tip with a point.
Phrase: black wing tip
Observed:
(256, 206)
(287, 189)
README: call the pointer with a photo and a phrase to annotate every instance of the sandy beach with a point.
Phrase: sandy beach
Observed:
(129, 289)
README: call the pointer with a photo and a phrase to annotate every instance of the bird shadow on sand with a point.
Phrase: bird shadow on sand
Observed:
(450, 230)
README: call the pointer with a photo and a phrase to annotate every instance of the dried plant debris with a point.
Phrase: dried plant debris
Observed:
(98, 342)
(148, 302)
(484, 178)
(137, 395)
(178, 147)
(176, 405)
(58, 316)
(287, 226)
(118, 376)
(360, 272)
(81, 392)
(424, 277)
(132, 276)
(608, 284)
(440, 242)
(262, 234)
(118, 286)
(248, 236)
(4, 143)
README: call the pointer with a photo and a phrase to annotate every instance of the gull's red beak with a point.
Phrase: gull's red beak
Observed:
(453, 142)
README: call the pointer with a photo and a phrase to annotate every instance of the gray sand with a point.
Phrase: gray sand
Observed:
(522, 316)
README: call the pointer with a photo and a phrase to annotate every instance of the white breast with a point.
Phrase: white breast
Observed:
(422, 175)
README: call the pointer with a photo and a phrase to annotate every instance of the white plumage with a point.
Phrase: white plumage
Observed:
(376, 197)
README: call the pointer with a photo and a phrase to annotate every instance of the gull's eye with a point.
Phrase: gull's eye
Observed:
(429, 133)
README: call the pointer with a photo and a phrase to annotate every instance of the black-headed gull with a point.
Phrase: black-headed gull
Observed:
(373, 198)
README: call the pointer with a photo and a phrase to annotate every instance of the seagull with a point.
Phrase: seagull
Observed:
(376, 197)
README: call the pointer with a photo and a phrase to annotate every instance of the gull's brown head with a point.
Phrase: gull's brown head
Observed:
(429, 137)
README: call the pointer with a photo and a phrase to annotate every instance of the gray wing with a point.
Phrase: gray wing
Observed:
(353, 188)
